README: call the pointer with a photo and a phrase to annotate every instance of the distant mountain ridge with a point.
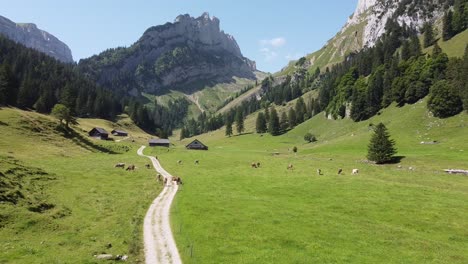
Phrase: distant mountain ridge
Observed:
(181, 55)
(32, 37)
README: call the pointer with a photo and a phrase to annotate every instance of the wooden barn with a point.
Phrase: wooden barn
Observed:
(98, 132)
(196, 144)
(119, 133)
(159, 142)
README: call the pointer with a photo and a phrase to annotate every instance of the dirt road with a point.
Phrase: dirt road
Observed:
(160, 245)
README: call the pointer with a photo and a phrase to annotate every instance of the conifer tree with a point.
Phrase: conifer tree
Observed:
(261, 124)
(284, 122)
(239, 121)
(300, 110)
(292, 118)
(428, 34)
(381, 148)
(273, 124)
(447, 29)
(228, 128)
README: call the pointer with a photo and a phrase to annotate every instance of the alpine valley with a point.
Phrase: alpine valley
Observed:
(354, 153)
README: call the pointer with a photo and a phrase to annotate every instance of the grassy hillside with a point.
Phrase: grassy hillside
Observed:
(228, 212)
(62, 200)
(210, 98)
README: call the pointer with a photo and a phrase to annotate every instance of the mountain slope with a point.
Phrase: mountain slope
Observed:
(187, 55)
(367, 25)
(32, 37)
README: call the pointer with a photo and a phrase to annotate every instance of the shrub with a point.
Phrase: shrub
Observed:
(310, 138)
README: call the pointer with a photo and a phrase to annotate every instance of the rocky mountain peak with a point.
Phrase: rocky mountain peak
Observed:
(31, 36)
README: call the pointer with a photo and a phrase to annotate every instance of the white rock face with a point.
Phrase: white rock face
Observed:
(32, 37)
(376, 13)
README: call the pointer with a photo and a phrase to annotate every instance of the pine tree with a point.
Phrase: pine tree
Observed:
(228, 128)
(300, 110)
(274, 125)
(284, 122)
(381, 148)
(428, 34)
(405, 51)
(239, 121)
(447, 30)
(261, 125)
(292, 118)
(436, 51)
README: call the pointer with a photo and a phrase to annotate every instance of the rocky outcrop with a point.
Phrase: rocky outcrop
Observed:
(375, 14)
(32, 37)
(176, 55)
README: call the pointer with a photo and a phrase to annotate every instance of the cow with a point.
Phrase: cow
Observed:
(120, 165)
(197, 162)
(159, 177)
(179, 162)
(148, 166)
(254, 165)
(130, 168)
(355, 171)
(177, 180)
(165, 181)
(319, 171)
(258, 164)
(340, 171)
(290, 167)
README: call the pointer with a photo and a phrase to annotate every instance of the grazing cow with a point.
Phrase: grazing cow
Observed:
(258, 164)
(177, 180)
(197, 162)
(319, 171)
(130, 168)
(179, 162)
(120, 165)
(355, 171)
(340, 171)
(148, 166)
(290, 167)
(254, 165)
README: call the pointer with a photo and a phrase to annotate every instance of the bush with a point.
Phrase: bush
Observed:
(294, 149)
(310, 138)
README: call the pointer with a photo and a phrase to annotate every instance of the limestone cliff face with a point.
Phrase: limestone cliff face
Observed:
(32, 37)
(175, 55)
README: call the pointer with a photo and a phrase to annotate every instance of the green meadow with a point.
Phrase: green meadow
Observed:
(69, 202)
(410, 212)
(63, 201)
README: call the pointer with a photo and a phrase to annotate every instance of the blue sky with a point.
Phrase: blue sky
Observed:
(269, 32)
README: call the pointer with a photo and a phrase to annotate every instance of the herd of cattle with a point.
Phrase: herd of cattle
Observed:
(178, 180)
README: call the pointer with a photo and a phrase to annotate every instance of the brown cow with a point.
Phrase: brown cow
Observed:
(340, 171)
(131, 168)
(290, 167)
(254, 165)
(178, 180)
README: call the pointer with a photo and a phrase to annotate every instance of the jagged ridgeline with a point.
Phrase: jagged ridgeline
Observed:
(184, 55)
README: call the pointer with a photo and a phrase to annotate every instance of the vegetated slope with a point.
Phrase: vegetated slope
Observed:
(186, 55)
(29, 35)
(366, 25)
(272, 214)
(62, 198)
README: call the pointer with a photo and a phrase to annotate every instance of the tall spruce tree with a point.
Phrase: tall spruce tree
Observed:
(239, 121)
(292, 118)
(261, 124)
(381, 148)
(274, 124)
(428, 34)
(284, 122)
(228, 128)
(447, 30)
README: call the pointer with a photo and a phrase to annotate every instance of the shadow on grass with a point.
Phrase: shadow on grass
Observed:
(82, 141)
(396, 160)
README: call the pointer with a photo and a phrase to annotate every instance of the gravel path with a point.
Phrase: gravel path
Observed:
(160, 245)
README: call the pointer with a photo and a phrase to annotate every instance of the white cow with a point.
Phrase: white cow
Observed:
(355, 171)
